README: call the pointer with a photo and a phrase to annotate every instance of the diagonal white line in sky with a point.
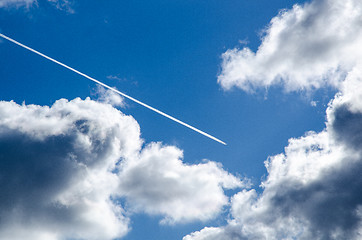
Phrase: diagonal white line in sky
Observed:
(114, 90)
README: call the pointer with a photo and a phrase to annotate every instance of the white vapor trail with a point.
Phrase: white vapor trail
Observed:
(114, 90)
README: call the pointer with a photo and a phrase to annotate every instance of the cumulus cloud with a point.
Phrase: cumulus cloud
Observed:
(55, 169)
(307, 47)
(64, 168)
(160, 183)
(313, 189)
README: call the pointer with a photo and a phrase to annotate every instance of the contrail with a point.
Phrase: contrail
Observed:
(114, 90)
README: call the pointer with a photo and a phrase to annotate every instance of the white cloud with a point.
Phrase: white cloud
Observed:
(56, 163)
(304, 48)
(63, 169)
(109, 97)
(312, 190)
(160, 183)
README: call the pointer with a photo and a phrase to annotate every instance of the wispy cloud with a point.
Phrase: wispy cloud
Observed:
(109, 97)
(115, 77)
(119, 78)
(64, 5)
(17, 3)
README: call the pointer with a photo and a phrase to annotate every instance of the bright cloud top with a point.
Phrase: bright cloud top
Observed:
(159, 183)
(64, 167)
(304, 48)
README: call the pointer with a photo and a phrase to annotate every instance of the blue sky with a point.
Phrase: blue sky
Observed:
(167, 54)
(173, 56)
